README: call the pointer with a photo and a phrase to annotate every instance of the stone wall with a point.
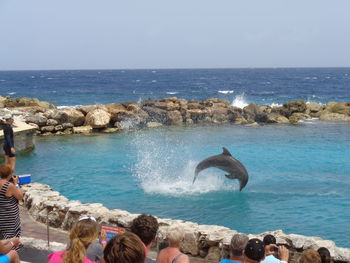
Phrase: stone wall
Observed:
(205, 241)
(48, 119)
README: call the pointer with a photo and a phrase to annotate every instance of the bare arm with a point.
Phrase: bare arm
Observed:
(7, 244)
(16, 192)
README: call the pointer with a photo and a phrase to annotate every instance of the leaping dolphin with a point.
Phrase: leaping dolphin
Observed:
(225, 162)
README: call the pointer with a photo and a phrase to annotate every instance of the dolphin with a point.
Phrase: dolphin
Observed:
(225, 162)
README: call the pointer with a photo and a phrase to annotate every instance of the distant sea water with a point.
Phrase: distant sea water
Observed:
(299, 175)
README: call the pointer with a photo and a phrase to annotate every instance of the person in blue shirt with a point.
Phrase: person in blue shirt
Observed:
(237, 245)
(9, 145)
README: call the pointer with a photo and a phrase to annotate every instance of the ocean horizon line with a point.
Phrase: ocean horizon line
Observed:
(184, 68)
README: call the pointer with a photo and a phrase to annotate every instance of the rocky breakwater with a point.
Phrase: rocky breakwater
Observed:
(206, 241)
(48, 119)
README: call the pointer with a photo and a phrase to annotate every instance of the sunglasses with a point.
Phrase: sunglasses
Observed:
(87, 218)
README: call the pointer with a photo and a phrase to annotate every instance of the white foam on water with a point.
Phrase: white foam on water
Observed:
(239, 101)
(162, 169)
(275, 104)
(11, 93)
(2, 80)
(226, 91)
(153, 71)
(137, 80)
(50, 78)
(179, 182)
(172, 92)
(33, 77)
(153, 81)
(67, 106)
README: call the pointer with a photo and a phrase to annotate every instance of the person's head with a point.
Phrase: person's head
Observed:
(254, 251)
(324, 254)
(81, 235)
(145, 227)
(237, 245)
(9, 119)
(175, 235)
(269, 239)
(5, 171)
(310, 256)
(124, 248)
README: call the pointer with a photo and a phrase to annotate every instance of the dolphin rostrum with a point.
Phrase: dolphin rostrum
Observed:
(225, 162)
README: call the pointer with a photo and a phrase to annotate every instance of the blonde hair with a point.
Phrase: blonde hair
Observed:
(175, 235)
(82, 234)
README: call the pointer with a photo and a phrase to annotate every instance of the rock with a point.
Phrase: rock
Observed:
(153, 124)
(214, 254)
(196, 115)
(51, 122)
(67, 125)
(67, 115)
(98, 118)
(82, 129)
(39, 119)
(86, 109)
(250, 111)
(313, 109)
(26, 102)
(338, 107)
(47, 129)
(115, 110)
(59, 128)
(221, 103)
(218, 114)
(156, 114)
(276, 118)
(167, 105)
(174, 117)
(194, 105)
(294, 106)
(327, 116)
(110, 130)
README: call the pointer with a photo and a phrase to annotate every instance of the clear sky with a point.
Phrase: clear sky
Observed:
(114, 34)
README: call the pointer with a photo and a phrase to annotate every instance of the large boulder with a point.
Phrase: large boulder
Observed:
(276, 118)
(251, 111)
(98, 118)
(66, 115)
(294, 106)
(196, 115)
(174, 117)
(156, 114)
(314, 109)
(26, 102)
(218, 114)
(328, 116)
(38, 118)
(116, 110)
(167, 105)
(86, 109)
(338, 107)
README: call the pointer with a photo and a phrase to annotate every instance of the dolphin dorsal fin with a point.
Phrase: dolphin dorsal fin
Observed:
(226, 152)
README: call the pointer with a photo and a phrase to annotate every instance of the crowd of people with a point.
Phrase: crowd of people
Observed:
(87, 244)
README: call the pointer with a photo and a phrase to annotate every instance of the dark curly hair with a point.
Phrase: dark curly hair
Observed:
(124, 248)
(145, 227)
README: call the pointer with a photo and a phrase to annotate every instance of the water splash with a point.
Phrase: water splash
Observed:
(239, 101)
(160, 169)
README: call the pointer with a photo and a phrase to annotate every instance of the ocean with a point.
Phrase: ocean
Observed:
(299, 176)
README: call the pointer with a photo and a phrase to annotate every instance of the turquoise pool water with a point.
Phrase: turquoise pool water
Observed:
(299, 175)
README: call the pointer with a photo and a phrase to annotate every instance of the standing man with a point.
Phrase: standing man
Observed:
(9, 145)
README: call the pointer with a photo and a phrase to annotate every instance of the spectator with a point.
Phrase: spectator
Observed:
(172, 254)
(324, 254)
(10, 225)
(310, 256)
(254, 251)
(271, 249)
(125, 248)
(82, 234)
(145, 227)
(9, 145)
(238, 243)
(7, 254)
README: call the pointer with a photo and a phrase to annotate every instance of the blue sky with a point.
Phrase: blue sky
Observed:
(113, 34)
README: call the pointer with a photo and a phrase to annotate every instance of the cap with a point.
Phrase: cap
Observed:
(8, 117)
(269, 239)
(255, 249)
